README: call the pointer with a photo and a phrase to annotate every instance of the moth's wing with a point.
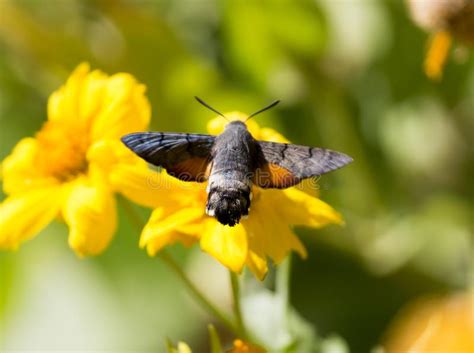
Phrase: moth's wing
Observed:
(282, 165)
(184, 156)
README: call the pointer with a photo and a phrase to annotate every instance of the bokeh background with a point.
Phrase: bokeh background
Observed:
(349, 75)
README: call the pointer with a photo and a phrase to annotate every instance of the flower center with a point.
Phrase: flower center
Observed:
(62, 149)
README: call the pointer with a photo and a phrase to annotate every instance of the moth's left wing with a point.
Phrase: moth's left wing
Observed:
(282, 165)
(184, 156)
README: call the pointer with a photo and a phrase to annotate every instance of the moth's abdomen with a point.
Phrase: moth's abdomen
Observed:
(228, 206)
(228, 199)
(230, 179)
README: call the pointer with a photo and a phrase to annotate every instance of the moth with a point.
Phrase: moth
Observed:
(232, 163)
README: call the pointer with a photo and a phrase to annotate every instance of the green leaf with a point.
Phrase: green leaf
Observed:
(216, 346)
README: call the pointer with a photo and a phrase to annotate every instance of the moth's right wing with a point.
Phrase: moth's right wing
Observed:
(184, 156)
(282, 165)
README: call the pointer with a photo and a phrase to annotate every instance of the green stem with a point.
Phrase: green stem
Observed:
(234, 281)
(205, 302)
(135, 218)
(282, 283)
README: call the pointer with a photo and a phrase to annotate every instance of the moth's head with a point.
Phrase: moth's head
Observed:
(236, 124)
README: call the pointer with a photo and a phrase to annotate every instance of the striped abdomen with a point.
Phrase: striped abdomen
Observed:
(230, 179)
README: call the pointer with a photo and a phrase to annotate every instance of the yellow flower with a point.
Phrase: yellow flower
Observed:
(435, 325)
(445, 20)
(180, 216)
(64, 170)
(245, 347)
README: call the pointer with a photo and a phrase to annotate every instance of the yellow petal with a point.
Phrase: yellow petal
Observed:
(227, 244)
(81, 98)
(114, 105)
(64, 104)
(253, 128)
(309, 186)
(90, 213)
(18, 171)
(92, 94)
(125, 108)
(216, 126)
(298, 208)
(24, 215)
(170, 238)
(257, 241)
(161, 228)
(192, 229)
(268, 134)
(264, 230)
(108, 153)
(257, 264)
(104, 155)
(269, 232)
(146, 187)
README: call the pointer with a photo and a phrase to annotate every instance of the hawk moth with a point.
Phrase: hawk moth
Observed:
(232, 162)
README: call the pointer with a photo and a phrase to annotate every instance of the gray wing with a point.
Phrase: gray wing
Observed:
(185, 156)
(282, 165)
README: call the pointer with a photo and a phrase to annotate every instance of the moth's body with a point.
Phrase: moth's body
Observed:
(232, 169)
(232, 163)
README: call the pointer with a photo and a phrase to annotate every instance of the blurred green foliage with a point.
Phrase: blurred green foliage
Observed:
(349, 77)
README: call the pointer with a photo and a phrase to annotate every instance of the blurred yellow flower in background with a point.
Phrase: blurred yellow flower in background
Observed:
(445, 19)
(64, 170)
(245, 347)
(437, 55)
(180, 215)
(435, 325)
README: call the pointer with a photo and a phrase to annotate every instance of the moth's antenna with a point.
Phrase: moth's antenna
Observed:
(263, 109)
(210, 108)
